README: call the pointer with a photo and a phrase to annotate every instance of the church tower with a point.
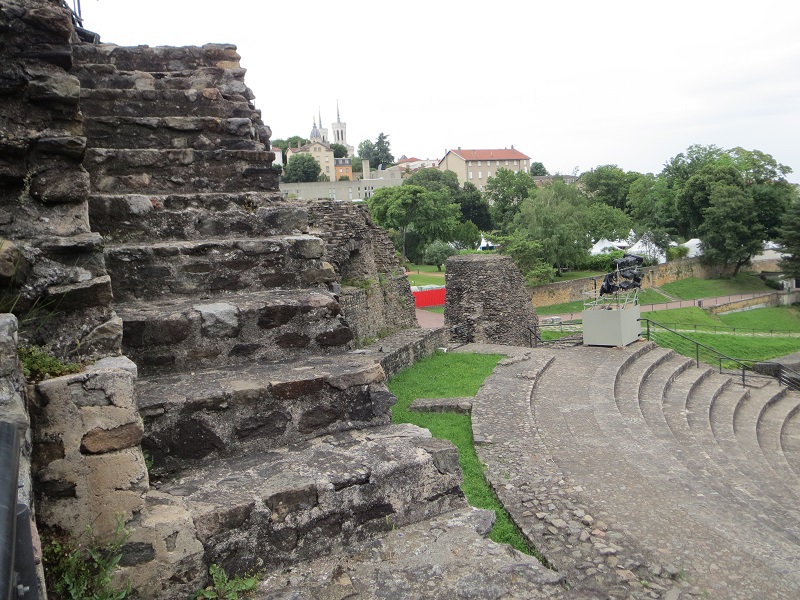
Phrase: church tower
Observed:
(340, 132)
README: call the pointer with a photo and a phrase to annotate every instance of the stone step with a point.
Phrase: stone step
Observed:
(448, 556)
(654, 389)
(275, 508)
(138, 217)
(207, 266)
(186, 334)
(229, 81)
(157, 58)
(232, 411)
(790, 440)
(630, 380)
(716, 469)
(199, 133)
(771, 423)
(745, 424)
(209, 102)
(158, 171)
(642, 492)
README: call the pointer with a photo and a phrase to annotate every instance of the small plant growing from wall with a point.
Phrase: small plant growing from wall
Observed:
(38, 364)
(83, 568)
(227, 588)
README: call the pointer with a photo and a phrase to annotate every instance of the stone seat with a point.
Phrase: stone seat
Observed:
(210, 266)
(276, 507)
(146, 58)
(132, 217)
(188, 333)
(200, 133)
(209, 102)
(116, 170)
(772, 421)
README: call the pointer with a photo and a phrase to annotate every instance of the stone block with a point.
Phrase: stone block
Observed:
(219, 319)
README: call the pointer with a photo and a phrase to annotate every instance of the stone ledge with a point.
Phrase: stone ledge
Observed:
(439, 405)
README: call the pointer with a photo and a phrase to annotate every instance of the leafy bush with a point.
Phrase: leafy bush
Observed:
(39, 364)
(224, 587)
(774, 284)
(83, 569)
(677, 252)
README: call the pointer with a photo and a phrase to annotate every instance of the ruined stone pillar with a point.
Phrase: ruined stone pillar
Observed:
(487, 301)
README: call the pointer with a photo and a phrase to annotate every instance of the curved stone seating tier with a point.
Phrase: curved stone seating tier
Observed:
(630, 466)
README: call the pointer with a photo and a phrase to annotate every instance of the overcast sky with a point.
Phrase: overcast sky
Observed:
(572, 83)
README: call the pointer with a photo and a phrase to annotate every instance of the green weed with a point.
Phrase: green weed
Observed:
(83, 569)
(225, 587)
(39, 364)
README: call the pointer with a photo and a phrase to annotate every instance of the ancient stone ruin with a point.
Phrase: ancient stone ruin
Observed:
(486, 301)
(227, 410)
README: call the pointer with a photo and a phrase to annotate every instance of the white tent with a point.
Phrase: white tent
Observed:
(604, 245)
(694, 247)
(644, 247)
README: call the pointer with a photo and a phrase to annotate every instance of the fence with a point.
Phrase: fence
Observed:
(429, 297)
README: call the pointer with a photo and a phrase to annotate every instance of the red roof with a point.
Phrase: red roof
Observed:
(405, 160)
(500, 154)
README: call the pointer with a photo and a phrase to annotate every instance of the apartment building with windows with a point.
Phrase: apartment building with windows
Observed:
(476, 166)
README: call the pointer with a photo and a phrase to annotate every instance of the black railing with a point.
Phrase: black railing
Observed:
(17, 567)
(685, 345)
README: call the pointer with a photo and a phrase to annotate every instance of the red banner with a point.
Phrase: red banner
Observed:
(429, 298)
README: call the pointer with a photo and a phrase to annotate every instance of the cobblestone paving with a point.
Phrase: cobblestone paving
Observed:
(618, 494)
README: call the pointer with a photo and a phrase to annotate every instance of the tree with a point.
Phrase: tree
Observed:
(437, 252)
(729, 235)
(434, 179)
(466, 236)
(505, 192)
(538, 170)
(292, 142)
(383, 155)
(431, 214)
(695, 196)
(474, 207)
(790, 241)
(339, 150)
(301, 167)
(608, 184)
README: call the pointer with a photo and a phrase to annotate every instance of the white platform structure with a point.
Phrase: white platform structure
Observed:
(612, 320)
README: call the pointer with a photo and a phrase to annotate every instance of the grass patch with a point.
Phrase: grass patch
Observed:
(449, 375)
(424, 279)
(736, 346)
(435, 309)
(425, 269)
(693, 288)
(783, 318)
(682, 317)
(576, 307)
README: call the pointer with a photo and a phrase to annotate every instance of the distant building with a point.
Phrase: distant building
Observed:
(344, 168)
(410, 165)
(476, 166)
(321, 151)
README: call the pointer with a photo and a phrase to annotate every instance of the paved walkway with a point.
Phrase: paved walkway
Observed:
(617, 464)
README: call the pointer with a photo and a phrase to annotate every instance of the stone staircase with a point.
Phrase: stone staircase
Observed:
(648, 476)
(270, 438)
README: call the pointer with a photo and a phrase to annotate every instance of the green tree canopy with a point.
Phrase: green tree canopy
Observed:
(789, 238)
(474, 207)
(538, 170)
(609, 184)
(301, 167)
(728, 234)
(437, 252)
(505, 192)
(339, 150)
(377, 153)
(431, 214)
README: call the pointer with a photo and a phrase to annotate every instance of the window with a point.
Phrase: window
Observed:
(515, 163)
(497, 163)
(506, 163)
(479, 175)
(470, 174)
(479, 163)
(470, 163)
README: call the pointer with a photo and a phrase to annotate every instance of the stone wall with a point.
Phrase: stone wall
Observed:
(376, 296)
(764, 301)
(574, 290)
(52, 273)
(487, 301)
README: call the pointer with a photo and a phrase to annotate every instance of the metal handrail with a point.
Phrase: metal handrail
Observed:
(9, 474)
(719, 356)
